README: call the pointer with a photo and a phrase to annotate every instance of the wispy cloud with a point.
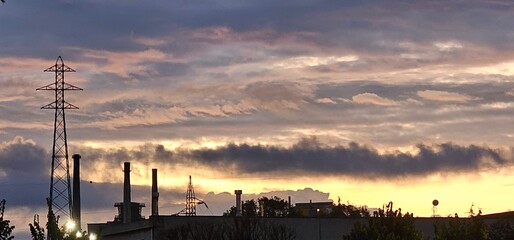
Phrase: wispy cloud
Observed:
(444, 96)
(326, 101)
(374, 99)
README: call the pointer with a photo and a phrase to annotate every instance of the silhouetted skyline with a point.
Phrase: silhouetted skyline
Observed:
(369, 101)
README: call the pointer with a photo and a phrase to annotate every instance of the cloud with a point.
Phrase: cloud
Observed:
(191, 102)
(121, 63)
(373, 99)
(277, 96)
(354, 160)
(230, 49)
(443, 96)
(144, 116)
(325, 101)
(151, 42)
(24, 165)
(448, 46)
(311, 61)
(311, 157)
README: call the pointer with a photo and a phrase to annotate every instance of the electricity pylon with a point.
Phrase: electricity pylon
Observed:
(60, 190)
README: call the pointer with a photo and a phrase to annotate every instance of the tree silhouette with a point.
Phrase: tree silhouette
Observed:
(502, 230)
(348, 211)
(52, 226)
(268, 207)
(387, 224)
(248, 209)
(37, 232)
(273, 207)
(455, 228)
(5, 228)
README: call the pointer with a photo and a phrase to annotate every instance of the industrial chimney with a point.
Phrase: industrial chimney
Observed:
(75, 210)
(127, 218)
(128, 211)
(155, 194)
(238, 202)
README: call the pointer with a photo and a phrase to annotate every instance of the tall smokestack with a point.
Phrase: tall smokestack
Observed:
(238, 202)
(127, 218)
(155, 194)
(75, 210)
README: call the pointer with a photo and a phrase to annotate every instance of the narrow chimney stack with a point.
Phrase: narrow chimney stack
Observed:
(75, 210)
(155, 194)
(127, 218)
(238, 202)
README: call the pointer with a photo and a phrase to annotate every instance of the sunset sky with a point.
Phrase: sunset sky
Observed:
(369, 101)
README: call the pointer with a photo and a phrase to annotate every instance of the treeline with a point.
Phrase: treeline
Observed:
(277, 207)
(391, 224)
(387, 223)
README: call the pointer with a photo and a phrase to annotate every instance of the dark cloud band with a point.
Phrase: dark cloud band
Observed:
(312, 158)
(353, 160)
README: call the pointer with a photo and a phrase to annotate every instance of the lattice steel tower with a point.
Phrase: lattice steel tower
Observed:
(60, 190)
(190, 199)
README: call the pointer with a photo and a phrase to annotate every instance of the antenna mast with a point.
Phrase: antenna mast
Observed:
(60, 190)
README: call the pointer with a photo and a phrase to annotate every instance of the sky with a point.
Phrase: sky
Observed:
(366, 101)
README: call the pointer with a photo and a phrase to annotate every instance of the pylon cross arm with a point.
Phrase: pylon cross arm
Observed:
(59, 68)
(66, 86)
(50, 86)
(55, 105)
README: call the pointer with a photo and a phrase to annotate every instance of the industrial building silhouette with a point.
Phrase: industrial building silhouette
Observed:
(129, 224)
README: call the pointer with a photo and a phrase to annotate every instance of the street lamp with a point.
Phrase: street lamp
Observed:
(92, 236)
(70, 225)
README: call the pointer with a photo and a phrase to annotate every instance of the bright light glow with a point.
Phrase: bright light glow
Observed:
(79, 234)
(92, 236)
(70, 225)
